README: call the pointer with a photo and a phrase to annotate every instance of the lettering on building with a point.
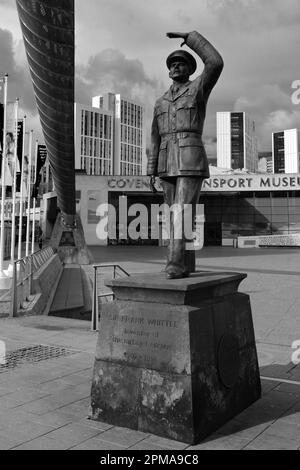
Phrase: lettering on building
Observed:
(252, 183)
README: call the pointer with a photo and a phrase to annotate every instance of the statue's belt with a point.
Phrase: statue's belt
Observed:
(181, 135)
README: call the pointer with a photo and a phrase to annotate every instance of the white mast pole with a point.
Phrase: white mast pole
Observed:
(14, 188)
(34, 200)
(29, 194)
(22, 191)
(3, 184)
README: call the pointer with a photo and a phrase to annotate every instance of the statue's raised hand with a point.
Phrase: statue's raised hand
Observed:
(152, 183)
(178, 35)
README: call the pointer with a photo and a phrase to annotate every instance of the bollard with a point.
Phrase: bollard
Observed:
(95, 309)
(14, 294)
(30, 276)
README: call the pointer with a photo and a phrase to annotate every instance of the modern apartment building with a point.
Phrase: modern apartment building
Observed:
(236, 142)
(94, 140)
(286, 151)
(265, 162)
(110, 136)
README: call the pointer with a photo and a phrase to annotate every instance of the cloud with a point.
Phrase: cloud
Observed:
(183, 17)
(121, 47)
(265, 99)
(14, 63)
(254, 15)
(281, 120)
(6, 51)
(19, 83)
(272, 110)
(211, 149)
(111, 71)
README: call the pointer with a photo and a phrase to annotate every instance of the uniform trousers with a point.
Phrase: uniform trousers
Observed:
(181, 191)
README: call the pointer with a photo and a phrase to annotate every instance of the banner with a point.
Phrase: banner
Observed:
(20, 142)
(40, 162)
(11, 125)
(19, 152)
(1, 134)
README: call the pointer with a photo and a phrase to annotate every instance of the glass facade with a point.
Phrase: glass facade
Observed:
(96, 143)
(279, 159)
(254, 213)
(237, 146)
(237, 141)
(147, 199)
(110, 136)
(251, 146)
(131, 138)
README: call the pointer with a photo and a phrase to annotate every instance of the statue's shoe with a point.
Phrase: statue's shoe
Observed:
(176, 275)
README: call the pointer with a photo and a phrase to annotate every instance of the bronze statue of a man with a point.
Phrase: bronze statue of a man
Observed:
(177, 154)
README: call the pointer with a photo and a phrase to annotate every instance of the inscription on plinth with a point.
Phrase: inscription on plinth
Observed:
(140, 336)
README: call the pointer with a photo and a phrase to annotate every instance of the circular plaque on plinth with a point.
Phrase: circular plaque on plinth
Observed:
(228, 360)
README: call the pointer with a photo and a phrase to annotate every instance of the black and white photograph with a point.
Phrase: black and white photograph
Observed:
(149, 228)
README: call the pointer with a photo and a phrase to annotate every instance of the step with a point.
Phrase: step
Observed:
(69, 295)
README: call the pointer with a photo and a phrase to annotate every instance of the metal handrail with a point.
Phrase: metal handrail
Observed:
(104, 265)
(5, 296)
(96, 296)
(23, 272)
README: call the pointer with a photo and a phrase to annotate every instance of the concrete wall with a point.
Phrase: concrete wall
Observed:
(264, 241)
(44, 285)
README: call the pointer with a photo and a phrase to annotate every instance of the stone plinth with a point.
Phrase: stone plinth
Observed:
(175, 358)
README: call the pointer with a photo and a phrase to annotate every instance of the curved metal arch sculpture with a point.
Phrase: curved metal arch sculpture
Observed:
(48, 32)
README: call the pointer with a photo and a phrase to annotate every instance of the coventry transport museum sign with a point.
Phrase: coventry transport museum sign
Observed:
(218, 183)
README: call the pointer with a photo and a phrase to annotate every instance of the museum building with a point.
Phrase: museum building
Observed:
(235, 205)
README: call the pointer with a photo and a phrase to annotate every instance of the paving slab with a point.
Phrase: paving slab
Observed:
(25, 431)
(98, 444)
(53, 419)
(152, 446)
(270, 441)
(168, 443)
(290, 389)
(219, 442)
(243, 430)
(124, 437)
(73, 434)
(42, 443)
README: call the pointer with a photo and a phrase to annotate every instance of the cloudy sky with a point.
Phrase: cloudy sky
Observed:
(121, 47)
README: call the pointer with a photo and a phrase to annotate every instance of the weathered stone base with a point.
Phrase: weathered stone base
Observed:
(178, 371)
(151, 401)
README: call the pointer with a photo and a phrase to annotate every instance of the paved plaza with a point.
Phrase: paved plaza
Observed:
(45, 385)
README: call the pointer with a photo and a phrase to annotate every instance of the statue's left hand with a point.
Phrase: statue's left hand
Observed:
(152, 184)
(178, 35)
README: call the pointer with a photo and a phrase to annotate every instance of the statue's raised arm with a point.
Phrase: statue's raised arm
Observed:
(213, 62)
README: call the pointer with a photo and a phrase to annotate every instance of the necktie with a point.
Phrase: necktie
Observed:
(175, 90)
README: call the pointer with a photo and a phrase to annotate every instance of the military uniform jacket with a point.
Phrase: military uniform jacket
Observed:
(176, 135)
